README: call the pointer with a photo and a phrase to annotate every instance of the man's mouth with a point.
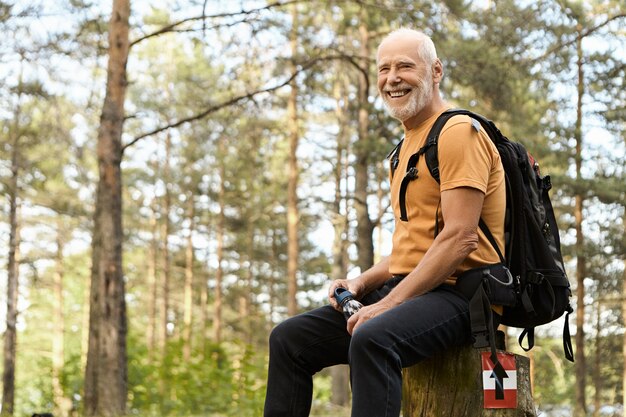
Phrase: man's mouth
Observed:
(398, 93)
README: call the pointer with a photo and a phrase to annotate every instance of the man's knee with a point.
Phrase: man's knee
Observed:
(282, 334)
(374, 342)
(366, 340)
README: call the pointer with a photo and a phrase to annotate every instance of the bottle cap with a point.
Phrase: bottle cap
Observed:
(341, 294)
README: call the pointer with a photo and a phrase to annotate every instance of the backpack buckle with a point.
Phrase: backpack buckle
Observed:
(547, 183)
(411, 173)
(535, 277)
(394, 163)
(481, 340)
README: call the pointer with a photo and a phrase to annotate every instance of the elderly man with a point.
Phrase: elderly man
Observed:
(411, 307)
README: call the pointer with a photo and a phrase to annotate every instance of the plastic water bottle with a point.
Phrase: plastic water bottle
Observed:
(347, 302)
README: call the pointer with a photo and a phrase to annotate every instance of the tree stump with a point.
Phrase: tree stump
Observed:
(450, 385)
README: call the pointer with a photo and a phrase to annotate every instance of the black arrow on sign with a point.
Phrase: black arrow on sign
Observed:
(499, 385)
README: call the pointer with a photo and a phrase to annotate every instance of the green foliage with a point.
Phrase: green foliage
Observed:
(553, 377)
(34, 366)
(225, 380)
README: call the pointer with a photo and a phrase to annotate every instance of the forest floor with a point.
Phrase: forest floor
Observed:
(330, 410)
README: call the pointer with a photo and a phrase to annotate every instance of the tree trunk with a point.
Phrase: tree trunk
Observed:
(166, 271)
(275, 276)
(62, 403)
(84, 334)
(293, 247)
(624, 316)
(339, 267)
(166, 227)
(597, 359)
(581, 403)
(10, 334)
(451, 385)
(245, 298)
(380, 195)
(340, 388)
(531, 369)
(188, 296)
(153, 256)
(221, 226)
(205, 335)
(365, 242)
(340, 392)
(106, 374)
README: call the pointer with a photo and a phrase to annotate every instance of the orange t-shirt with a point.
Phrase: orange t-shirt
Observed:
(467, 158)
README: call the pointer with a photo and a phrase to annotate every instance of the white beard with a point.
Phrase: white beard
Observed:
(420, 97)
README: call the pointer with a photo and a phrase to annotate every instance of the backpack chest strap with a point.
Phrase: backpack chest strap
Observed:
(411, 174)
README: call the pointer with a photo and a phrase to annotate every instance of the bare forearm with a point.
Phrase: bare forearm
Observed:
(376, 276)
(439, 263)
(368, 281)
(461, 210)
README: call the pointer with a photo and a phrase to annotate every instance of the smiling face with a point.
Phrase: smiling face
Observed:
(405, 78)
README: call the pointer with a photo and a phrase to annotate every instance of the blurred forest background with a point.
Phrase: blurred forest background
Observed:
(179, 176)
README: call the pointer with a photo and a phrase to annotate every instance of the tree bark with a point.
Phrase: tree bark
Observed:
(365, 227)
(339, 267)
(84, 334)
(380, 195)
(340, 393)
(188, 296)
(62, 403)
(220, 230)
(581, 403)
(106, 372)
(166, 227)
(153, 256)
(245, 298)
(597, 365)
(624, 315)
(293, 247)
(205, 335)
(531, 369)
(275, 277)
(450, 384)
(10, 334)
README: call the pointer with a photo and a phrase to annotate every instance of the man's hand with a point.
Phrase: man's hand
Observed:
(366, 313)
(360, 286)
(353, 285)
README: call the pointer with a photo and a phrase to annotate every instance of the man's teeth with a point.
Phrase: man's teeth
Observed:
(397, 93)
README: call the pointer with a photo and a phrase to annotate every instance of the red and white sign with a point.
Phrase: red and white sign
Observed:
(499, 394)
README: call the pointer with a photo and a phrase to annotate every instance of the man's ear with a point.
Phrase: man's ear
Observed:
(437, 71)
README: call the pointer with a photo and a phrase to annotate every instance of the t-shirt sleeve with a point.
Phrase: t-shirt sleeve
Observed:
(465, 156)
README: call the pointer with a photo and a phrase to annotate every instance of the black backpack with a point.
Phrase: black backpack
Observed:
(530, 283)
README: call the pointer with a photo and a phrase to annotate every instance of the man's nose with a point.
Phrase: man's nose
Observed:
(393, 76)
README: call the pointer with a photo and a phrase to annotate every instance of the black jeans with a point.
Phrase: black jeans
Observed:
(305, 344)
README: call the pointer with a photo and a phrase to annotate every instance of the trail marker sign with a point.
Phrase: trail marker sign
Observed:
(499, 392)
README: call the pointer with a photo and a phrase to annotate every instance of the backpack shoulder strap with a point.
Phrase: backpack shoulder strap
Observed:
(432, 155)
(432, 140)
(394, 157)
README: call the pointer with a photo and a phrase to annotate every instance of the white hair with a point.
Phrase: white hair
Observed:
(426, 50)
